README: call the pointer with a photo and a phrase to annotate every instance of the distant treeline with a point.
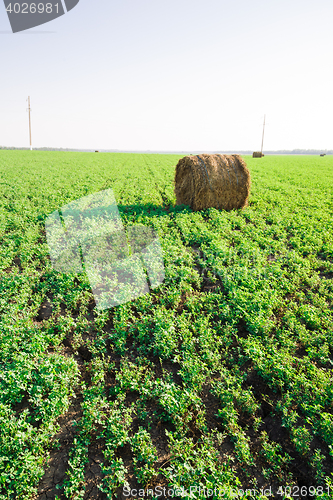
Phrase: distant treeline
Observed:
(45, 149)
(279, 152)
(300, 152)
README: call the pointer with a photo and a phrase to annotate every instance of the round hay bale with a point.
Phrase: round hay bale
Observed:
(212, 180)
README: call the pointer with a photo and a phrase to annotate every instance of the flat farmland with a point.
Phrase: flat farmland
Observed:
(217, 384)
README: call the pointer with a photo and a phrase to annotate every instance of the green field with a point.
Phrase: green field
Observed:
(221, 378)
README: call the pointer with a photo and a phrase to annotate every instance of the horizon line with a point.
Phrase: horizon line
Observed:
(90, 150)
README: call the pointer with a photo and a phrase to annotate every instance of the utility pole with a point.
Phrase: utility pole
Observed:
(263, 130)
(29, 109)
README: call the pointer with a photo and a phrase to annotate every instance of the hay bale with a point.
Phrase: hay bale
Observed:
(212, 180)
(257, 154)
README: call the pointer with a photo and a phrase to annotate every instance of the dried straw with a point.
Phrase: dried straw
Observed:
(257, 154)
(212, 180)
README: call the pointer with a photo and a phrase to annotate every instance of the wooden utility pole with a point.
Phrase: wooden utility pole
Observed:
(263, 130)
(29, 109)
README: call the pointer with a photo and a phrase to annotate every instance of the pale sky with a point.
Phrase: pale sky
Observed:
(172, 75)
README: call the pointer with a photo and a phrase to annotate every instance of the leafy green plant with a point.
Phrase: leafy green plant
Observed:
(117, 428)
(316, 462)
(144, 456)
(301, 437)
(273, 453)
(114, 476)
(78, 457)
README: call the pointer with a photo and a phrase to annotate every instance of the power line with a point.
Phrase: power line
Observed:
(263, 130)
(29, 109)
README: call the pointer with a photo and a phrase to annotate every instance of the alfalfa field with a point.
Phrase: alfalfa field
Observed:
(217, 384)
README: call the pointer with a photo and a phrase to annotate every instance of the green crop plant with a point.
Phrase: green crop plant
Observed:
(116, 429)
(272, 453)
(114, 476)
(144, 456)
(74, 486)
(301, 437)
(316, 462)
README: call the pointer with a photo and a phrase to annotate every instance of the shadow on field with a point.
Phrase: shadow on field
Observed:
(150, 209)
